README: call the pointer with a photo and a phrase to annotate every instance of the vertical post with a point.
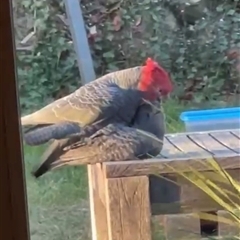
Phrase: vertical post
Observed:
(80, 41)
(128, 208)
(97, 191)
(13, 212)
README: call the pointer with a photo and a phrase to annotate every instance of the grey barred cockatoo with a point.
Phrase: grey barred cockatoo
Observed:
(114, 142)
(112, 98)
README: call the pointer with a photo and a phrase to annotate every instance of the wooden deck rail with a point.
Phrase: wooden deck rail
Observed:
(125, 197)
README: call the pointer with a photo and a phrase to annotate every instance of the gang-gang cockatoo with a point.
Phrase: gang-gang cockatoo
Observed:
(112, 98)
(114, 142)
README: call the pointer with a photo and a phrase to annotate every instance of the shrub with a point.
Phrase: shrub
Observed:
(197, 41)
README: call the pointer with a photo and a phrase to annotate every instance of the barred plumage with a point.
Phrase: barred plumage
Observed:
(56, 131)
(114, 142)
(107, 103)
(85, 104)
(105, 97)
(121, 108)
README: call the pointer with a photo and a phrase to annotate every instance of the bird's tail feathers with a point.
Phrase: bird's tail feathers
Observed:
(60, 162)
(46, 167)
(50, 156)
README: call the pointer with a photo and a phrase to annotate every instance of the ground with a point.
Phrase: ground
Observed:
(58, 202)
(58, 206)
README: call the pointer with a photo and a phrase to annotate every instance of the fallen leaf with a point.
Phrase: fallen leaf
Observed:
(117, 23)
(138, 21)
(233, 53)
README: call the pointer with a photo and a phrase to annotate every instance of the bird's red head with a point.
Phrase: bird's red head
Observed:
(155, 78)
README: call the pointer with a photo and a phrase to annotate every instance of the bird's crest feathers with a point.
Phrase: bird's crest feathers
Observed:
(154, 74)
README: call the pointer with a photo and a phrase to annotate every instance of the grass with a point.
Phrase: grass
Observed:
(58, 205)
(58, 202)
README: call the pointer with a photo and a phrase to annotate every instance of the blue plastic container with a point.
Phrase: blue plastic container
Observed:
(213, 119)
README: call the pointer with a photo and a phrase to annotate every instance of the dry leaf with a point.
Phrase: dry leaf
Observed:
(117, 23)
(138, 21)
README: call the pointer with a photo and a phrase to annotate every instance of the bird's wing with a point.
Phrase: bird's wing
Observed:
(92, 102)
(43, 134)
(115, 142)
(58, 131)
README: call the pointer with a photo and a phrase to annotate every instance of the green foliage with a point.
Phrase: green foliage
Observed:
(191, 40)
(51, 63)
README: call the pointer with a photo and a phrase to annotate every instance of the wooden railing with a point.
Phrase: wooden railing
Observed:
(125, 198)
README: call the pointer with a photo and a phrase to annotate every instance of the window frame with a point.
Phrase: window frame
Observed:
(14, 222)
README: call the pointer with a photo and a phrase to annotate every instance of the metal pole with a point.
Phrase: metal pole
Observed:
(80, 41)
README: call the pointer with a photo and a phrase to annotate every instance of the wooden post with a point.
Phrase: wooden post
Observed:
(97, 191)
(128, 208)
(14, 215)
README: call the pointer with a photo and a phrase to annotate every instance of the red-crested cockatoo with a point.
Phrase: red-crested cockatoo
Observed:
(112, 98)
(114, 142)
